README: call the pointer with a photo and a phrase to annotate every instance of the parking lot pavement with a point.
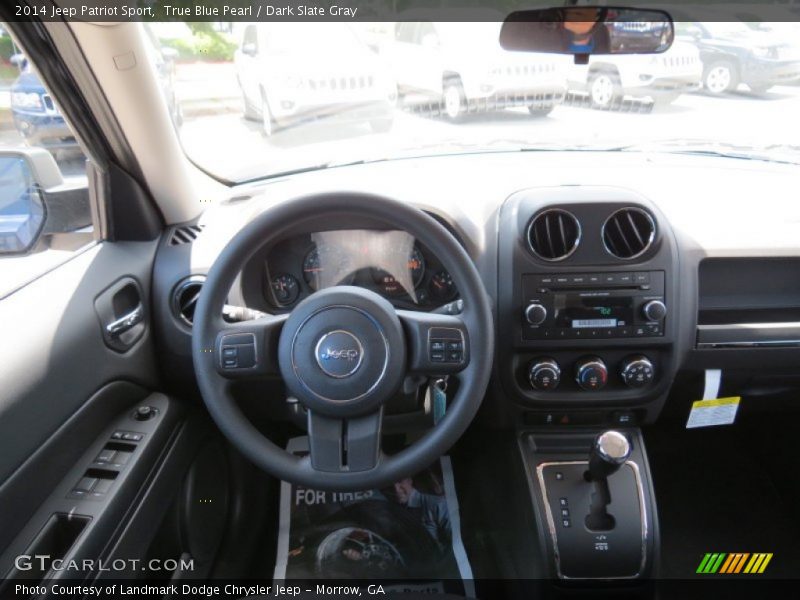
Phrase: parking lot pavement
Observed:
(229, 145)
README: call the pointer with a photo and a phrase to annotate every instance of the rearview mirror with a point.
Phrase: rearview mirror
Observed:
(582, 30)
(249, 48)
(22, 207)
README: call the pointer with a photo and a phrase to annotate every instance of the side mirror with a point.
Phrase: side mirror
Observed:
(22, 206)
(35, 201)
(249, 48)
(585, 30)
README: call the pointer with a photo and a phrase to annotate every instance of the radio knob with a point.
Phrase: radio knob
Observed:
(591, 373)
(544, 374)
(654, 310)
(535, 313)
(637, 371)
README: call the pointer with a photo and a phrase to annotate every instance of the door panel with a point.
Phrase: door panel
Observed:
(53, 353)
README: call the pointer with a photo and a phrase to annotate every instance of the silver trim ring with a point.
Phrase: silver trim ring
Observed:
(542, 213)
(650, 240)
(551, 525)
(179, 288)
(358, 362)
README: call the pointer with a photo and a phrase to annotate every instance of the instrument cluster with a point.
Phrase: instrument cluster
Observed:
(389, 263)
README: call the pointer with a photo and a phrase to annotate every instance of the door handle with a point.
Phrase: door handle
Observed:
(126, 322)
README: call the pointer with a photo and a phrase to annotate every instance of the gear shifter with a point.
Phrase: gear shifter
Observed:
(609, 452)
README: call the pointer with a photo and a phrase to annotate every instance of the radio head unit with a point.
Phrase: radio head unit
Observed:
(593, 305)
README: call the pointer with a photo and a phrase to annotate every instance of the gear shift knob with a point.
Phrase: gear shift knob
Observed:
(609, 452)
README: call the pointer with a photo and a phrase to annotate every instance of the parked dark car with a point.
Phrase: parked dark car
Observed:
(38, 119)
(35, 115)
(733, 53)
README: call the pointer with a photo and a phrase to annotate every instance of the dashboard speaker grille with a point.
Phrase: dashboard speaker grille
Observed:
(184, 299)
(629, 232)
(554, 234)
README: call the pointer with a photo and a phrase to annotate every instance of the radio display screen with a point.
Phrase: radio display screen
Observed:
(584, 310)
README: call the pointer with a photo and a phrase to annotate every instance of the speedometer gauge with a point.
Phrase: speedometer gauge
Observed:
(326, 266)
(394, 284)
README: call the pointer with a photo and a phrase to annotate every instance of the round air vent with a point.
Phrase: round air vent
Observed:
(554, 234)
(185, 296)
(629, 232)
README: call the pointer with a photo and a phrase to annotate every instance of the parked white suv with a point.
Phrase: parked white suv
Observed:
(463, 66)
(660, 77)
(296, 72)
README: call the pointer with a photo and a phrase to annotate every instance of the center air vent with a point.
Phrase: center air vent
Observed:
(185, 296)
(629, 232)
(554, 234)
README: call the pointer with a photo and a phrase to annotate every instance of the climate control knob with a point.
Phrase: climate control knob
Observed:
(535, 313)
(655, 310)
(591, 373)
(544, 374)
(637, 371)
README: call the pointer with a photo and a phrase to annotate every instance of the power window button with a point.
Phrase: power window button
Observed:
(103, 485)
(106, 456)
(86, 484)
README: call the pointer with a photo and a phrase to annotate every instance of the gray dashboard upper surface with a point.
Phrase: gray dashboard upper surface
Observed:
(726, 207)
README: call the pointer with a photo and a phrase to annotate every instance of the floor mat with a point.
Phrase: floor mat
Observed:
(716, 494)
(406, 537)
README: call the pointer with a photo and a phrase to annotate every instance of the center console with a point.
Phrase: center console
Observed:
(588, 314)
(591, 311)
(594, 502)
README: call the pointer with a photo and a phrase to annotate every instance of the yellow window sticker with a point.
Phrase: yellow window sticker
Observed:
(717, 411)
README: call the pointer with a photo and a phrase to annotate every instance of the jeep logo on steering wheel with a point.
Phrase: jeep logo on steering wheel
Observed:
(329, 354)
(339, 353)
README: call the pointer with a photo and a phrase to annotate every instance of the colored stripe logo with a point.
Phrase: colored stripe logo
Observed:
(734, 563)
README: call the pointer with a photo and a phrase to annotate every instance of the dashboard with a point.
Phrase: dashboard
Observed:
(610, 273)
(389, 263)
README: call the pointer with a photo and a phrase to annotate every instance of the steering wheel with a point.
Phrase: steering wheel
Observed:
(343, 352)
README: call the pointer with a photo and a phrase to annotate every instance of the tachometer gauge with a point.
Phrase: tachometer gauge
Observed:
(285, 289)
(326, 266)
(442, 287)
(394, 284)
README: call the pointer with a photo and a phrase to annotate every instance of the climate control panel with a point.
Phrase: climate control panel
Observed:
(591, 373)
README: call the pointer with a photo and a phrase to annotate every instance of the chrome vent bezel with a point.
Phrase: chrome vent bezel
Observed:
(547, 213)
(183, 307)
(646, 244)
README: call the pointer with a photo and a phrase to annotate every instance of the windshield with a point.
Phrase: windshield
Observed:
(252, 101)
(721, 29)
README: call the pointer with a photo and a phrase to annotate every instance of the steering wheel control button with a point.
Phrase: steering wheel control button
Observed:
(339, 353)
(446, 345)
(637, 371)
(544, 374)
(238, 351)
(591, 373)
